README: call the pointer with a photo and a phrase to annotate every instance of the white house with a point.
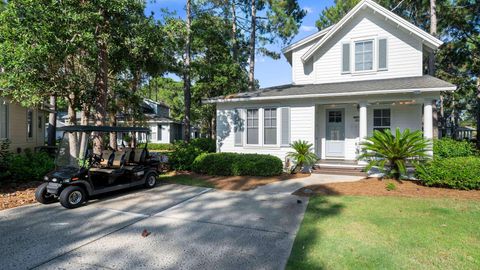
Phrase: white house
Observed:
(362, 74)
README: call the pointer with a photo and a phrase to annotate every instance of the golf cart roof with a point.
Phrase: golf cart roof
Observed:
(103, 129)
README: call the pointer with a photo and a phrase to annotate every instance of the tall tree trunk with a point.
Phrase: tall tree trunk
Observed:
(84, 122)
(72, 120)
(52, 122)
(431, 63)
(101, 80)
(234, 31)
(186, 76)
(101, 83)
(251, 61)
(478, 112)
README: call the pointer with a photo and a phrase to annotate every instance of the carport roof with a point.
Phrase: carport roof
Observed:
(424, 83)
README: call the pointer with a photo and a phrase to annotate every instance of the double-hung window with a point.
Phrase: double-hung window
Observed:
(270, 126)
(252, 126)
(381, 119)
(364, 55)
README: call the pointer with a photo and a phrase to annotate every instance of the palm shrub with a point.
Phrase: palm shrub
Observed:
(391, 152)
(302, 156)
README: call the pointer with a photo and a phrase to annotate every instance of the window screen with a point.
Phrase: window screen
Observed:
(252, 126)
(363, 55)
(381, 119)
(270, 126)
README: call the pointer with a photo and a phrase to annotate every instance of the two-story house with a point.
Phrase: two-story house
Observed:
(362, 74)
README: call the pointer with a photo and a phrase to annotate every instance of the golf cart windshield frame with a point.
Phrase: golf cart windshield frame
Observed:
(88, 130)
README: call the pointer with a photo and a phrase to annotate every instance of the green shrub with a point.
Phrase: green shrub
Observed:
(390, 186)
(27, 167)
(447, 148)
(183, 155)
(157, 146)
(457, 172)
(205, 144)
(237, 164)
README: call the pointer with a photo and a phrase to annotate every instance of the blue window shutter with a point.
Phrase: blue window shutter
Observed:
(238, 126)
(285, 120)
(346, 57)
(382, 53)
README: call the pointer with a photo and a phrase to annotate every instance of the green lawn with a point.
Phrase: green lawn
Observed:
(184, 180)
(355, 232)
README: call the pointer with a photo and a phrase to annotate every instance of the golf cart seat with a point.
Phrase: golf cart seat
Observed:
(136, 157)
(108, 157)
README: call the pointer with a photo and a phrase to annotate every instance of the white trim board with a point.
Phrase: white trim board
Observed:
(359, 93)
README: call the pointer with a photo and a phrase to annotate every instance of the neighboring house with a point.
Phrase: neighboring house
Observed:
(164, 129)
(23, 127)
(362, 74)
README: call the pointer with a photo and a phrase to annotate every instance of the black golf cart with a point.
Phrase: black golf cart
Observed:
(86, 166)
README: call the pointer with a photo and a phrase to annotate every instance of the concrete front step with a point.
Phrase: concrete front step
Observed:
(340, 168)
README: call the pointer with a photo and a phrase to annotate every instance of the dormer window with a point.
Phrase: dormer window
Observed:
(364, 55)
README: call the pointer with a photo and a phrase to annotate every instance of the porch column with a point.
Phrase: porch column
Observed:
(362, 123)
(428, 121)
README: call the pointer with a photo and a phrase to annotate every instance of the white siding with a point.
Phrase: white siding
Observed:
(404, 52)
(302, 73)
(302, 128)
(402, 116)
(154, 127)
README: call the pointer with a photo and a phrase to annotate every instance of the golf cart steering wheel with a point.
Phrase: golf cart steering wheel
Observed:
(96, 159)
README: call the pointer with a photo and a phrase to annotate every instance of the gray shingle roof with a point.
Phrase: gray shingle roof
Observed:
(354, 88)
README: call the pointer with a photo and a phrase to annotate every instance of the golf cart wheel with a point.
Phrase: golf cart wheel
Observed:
(72, 197)
(150, 180)
(42, 196)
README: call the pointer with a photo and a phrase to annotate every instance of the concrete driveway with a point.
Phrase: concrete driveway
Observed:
(190, 228)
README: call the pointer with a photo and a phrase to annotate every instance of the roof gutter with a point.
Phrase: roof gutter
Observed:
(358, 93)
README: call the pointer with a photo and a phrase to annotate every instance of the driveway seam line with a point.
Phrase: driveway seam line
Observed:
(116, 230)
(225, 225)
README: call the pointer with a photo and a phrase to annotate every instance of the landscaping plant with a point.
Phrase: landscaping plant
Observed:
(184, 153)
(391, 152)
(302, 155)
(447, 148)
(237, 164)
(457, 173)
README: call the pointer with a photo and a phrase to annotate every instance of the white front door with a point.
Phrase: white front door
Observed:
(335, 133)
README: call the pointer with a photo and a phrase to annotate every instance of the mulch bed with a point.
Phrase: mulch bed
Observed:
(242, 183)
(377, 187)
(17, 194)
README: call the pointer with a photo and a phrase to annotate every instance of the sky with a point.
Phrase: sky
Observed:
(268, 72)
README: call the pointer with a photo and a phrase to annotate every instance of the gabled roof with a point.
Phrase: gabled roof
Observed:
(426, 38)
(307, 39)
(417, 84)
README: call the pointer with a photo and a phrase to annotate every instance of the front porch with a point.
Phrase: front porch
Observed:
(340, 126)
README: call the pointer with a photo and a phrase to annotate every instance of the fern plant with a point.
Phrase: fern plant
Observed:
(302, 156)
(391, 152)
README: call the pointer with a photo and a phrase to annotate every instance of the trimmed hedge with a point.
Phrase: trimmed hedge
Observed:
(457, 173)
(237, 164)
(157, 146)
(183, 155)
(447, 148)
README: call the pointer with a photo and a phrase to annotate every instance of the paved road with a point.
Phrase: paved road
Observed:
(190, 228)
